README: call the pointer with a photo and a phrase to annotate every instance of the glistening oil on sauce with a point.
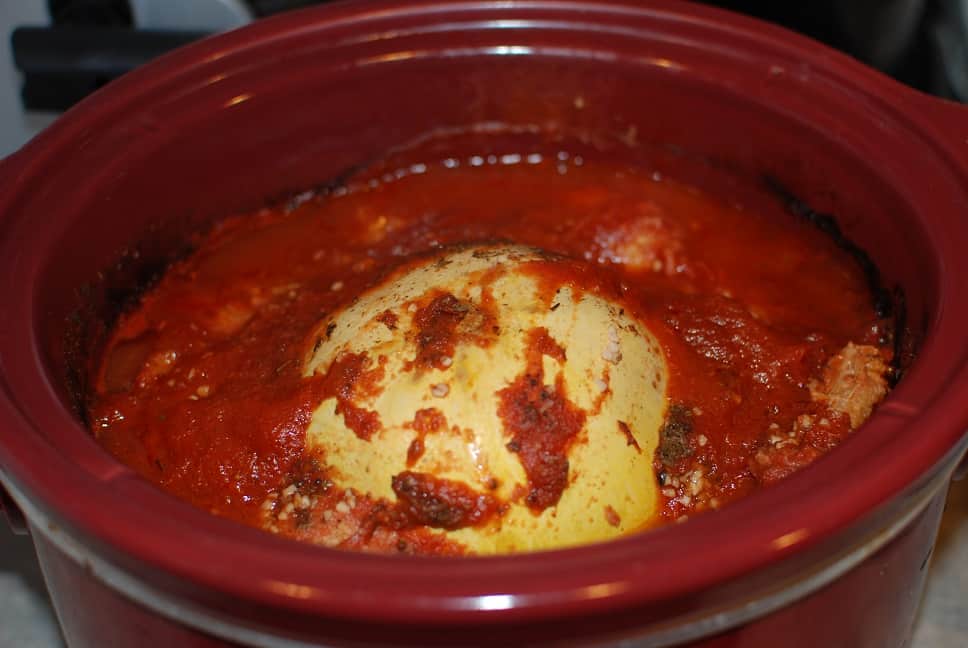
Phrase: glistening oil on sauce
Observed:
(201, 387)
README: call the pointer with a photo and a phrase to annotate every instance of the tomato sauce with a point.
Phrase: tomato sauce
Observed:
(542, 423)
(201, 387)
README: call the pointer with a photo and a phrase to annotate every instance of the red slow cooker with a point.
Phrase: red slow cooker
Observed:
(92, 208)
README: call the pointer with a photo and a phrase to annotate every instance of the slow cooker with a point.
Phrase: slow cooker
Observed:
(95, 206)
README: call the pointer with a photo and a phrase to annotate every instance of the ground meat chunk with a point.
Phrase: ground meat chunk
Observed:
(647, 240)
(674, 435)
(853, 382)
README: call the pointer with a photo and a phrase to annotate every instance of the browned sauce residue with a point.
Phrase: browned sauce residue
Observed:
(435, 327)
(441, 503)
(347, 377)
(541, 422)
(629, 437)
(426, 420)
(612, 517)
(389, 319)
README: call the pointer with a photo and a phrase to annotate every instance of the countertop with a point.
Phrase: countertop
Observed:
(27, 621)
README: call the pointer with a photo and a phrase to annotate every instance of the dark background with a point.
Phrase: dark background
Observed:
(90, 42)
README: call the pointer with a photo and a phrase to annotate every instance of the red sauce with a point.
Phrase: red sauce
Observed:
(201, 389)
(441, 503)
(629, 437)
(612, 517)
(436, 325)
(348, 375)
(425, 421)
(542, 423)
(444, 321)
(389, 319)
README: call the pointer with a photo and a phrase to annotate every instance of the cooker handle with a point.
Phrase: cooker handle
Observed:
(13, 514)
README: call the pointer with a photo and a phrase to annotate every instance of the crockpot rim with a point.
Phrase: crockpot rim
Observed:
(207, 528)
